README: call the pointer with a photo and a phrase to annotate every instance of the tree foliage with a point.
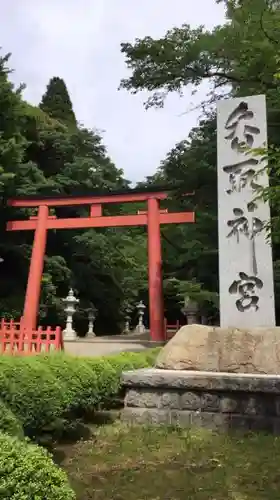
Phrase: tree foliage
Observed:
(56, 102)
(44, 150)
(239, 58)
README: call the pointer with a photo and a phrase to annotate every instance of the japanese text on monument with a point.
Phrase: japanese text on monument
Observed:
(241, 132)
(244, 254)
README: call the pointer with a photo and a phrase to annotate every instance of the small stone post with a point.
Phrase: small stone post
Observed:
(128, 311)
(140, 328)
(190, 310)
(70, 308)
(91, 319)
(127, 323)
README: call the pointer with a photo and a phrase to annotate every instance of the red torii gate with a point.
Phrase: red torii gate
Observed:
(152, 218)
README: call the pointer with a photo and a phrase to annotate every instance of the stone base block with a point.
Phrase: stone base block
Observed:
(219, 401)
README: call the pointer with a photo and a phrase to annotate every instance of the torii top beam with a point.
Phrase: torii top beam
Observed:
(120, 196)
(95, 218)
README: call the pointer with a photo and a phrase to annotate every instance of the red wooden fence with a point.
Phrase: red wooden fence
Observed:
(15, 338)
(170, 329)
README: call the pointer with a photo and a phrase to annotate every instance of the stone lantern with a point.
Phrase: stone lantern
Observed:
(127, 323)
(127, 318)
(128, 310)
(70, 308)
(190, 310)
(140, 328)
(92, 312)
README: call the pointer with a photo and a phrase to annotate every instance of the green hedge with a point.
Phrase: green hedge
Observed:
(80, 381)
(27, 472)
(45, 391)
(9, 423)
(33, 393)
(38, 395)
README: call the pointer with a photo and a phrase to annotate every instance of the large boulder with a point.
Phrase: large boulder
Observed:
(208, 348)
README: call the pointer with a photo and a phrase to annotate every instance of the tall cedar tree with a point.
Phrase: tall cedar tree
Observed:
(57, 103)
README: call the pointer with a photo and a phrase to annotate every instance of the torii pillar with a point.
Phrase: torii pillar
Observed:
(156, 307)
(33, 289)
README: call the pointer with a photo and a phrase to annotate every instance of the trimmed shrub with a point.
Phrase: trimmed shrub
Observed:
(106, 374)
(119, 363)
(132, 361)
(110, 388)
(27, 472)
(151, 355)
(128, 361)
(9, 423)
(88, 381)
(46, 392)
(33, 394)
(79, 380)
(109, 369)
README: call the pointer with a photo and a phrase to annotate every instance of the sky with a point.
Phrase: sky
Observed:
(79, 41)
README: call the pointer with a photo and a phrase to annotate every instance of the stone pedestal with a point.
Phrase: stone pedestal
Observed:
(209, 348)
(69, 334)
(219, 401)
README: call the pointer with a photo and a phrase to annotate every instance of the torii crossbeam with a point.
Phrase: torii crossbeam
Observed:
(152, 218)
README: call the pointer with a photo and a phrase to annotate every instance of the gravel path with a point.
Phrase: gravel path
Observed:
(103, 348)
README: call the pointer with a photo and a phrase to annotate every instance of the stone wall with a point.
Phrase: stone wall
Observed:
(214, 400)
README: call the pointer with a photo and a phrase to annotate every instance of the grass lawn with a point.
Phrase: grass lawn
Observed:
(143, 463)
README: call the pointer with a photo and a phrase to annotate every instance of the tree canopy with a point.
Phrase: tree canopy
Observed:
(239, 58)
(56, 102)
(42, 152)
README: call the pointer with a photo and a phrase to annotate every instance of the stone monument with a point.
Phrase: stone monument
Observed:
(245, 255)
(229, 376)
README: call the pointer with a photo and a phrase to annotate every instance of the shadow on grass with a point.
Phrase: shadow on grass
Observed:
(177, 479)
(76, 431)
(174, 464)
